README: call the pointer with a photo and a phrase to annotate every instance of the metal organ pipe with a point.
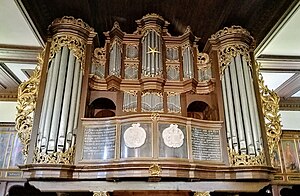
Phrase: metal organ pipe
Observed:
(228, 93)
(227, 121)
(244, 104)
(58, 100)
(66, 103)
(50, 104)
(73, 104)
(236, 104)
(45, 102)
(252, 108)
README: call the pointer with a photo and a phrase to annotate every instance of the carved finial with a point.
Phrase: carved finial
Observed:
(116, 25)
(188, 29)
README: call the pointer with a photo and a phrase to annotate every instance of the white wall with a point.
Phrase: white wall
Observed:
(8, 111)
(290, 120)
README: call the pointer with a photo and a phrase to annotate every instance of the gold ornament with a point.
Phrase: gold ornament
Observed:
(71, 20)
(100, 193)
(66, 157)
(237, 159)
(231, 30)
(227, 53)
(74, 43)
(270, 108)
(155, 170)
(26, 102)
(206, 193)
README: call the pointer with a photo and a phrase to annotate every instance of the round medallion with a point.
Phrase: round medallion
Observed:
(134, 136)
(173, 136)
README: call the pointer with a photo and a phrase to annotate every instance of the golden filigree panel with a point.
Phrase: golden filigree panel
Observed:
(66, 157)
(227, 53)
(206, 193)
(74, 43)
(270, 107)
(237, 159)
(27, 97)
(100, 193)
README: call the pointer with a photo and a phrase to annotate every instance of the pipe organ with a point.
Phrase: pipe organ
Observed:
(148, 105)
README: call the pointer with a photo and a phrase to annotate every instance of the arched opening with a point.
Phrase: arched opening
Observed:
(200, 110)
(102, 107)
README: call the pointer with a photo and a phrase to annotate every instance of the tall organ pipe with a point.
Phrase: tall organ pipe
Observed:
(235, 138)
(48, 117)
(66, 103)
(73, 104)
(58, 99)
(45, 102)
(244, 104)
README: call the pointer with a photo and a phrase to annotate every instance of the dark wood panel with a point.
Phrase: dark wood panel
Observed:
(204, 16)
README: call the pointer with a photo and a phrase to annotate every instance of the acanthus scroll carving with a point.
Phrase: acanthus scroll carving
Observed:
(74, 43)
(227, 53)
(66, 157)
(26, 102)
(270, 109)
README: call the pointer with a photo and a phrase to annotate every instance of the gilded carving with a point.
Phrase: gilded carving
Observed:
(99, 55)
(206, 193)
(73, 21)
(230, 30)
(26, 102)
(237, 159)
(98, 63)
(74, 43)
(270, 108)
(155, 170)
(227, 53)
(203, 66)
(66, 157)
(100, 193)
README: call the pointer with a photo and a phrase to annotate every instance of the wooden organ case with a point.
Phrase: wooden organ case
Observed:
(148, 105)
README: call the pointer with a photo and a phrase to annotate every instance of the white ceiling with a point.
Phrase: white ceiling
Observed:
(274, 79)
(14, 28)
(287, 40)
(284, 41)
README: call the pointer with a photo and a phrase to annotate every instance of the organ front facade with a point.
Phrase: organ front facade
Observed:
(147, 106)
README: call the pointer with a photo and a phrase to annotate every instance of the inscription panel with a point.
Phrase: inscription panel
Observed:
(206, 144)
(99, 143)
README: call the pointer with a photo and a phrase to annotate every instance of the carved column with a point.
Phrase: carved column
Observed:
(60, 91)
(234, 48)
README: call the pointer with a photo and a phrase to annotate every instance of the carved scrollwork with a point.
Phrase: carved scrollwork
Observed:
(73, 21)
(231, 30)
(237, 159)
(66, 157)
(99, 55)
(75, 44)
(27, 96)
(155, 170)
(270, 108)
(206, 193)
(226, 54)
(100, 193)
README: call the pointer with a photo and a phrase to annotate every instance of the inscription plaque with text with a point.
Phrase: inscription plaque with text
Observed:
(99, 143)
(206, 144)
